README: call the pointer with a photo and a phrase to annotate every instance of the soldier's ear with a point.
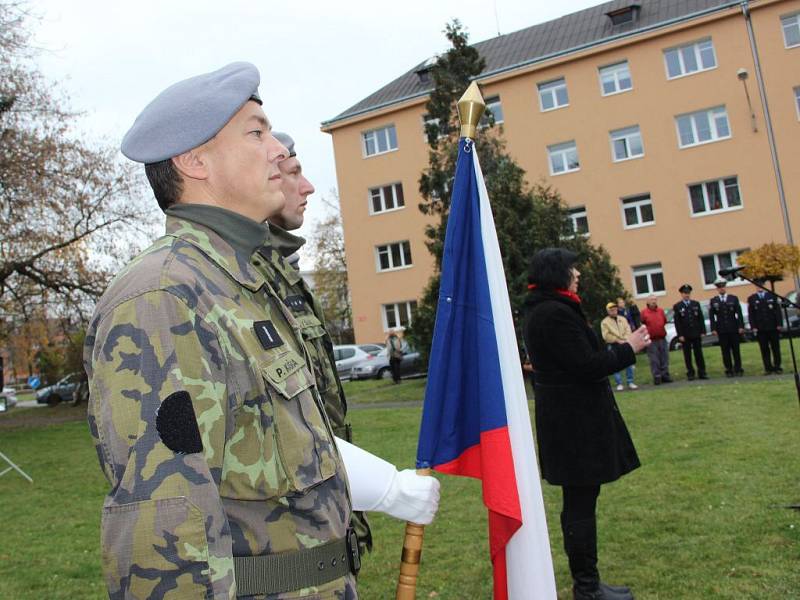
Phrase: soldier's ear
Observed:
(192, 164)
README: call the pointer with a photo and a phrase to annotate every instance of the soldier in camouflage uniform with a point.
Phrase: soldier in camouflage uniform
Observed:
(204, 409)
(298, 297)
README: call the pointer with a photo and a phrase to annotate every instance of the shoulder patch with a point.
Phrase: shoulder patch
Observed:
(177, 425)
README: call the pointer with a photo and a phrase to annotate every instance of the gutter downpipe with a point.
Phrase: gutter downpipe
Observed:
(773, 148)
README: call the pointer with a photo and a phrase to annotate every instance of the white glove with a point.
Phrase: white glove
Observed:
(376, 485)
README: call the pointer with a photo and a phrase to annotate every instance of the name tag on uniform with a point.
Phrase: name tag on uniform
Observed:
(267, 334)
(295, 303)
(283, 366)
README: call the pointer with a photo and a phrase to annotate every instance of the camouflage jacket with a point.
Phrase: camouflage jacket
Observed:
(206, 420)
(290, 286)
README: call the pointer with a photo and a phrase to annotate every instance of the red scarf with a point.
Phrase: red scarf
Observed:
(566, 293)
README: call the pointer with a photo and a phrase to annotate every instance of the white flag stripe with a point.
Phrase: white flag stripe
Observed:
(528, 558)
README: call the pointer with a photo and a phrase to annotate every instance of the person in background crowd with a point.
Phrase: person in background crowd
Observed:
(727, 321)
(766, 321)
(630, 312)
(690, 327)
(582, 439)
(394, 349)
(655, 320)
(615, 330)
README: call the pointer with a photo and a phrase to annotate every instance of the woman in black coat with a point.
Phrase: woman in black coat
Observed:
(582, 439)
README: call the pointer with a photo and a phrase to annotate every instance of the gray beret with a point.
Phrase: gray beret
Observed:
(189, 113)
(286, 140)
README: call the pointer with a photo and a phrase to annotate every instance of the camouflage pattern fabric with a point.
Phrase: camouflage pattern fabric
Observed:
(290, 286)
(187, 319)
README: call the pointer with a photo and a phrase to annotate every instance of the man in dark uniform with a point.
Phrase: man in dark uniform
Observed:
(690, 326)
(727, 321)
(766, 321)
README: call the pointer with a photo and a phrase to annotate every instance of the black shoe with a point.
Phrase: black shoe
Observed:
(728, 373)
(690, 376)
(702, 376)
(740, 373)
(769, 372)
(666, 379)
(657, 381)
(777, 370)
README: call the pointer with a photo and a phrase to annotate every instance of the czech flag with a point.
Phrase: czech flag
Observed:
(475, 420)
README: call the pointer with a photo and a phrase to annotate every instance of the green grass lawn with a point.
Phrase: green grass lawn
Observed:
(700, 519)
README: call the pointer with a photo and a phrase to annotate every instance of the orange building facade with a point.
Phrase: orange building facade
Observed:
(647, 133)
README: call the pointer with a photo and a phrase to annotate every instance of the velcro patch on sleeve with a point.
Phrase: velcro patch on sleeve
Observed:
(177, 425)
(295, 303)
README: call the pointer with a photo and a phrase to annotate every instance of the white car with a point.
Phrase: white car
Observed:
(708, 339)
(8, 399)
(348, 355)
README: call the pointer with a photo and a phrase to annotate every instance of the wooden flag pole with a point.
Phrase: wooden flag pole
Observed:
(409, 559)
(470, 111)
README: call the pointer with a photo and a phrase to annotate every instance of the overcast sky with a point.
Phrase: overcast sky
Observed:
(316, 57)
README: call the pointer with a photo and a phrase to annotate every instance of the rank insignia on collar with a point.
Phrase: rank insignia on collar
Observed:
(295, 303)
(267, 334)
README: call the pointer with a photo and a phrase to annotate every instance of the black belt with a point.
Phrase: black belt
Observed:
(288, 571)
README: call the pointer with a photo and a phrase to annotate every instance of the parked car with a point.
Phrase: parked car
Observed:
(9, 398)
(58, 392)
(377, 367)
(348, 355)
(709, 339)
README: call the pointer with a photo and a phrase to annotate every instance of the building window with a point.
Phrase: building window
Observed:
(493, 108)
(615, 78)
(579, 221)
(626, 143)
(637, 211)
(379, 141)
(563, 158)
(797, 100)
(393, 256)
(791, 30)
(398, 314)
(553, 94)
(648, 279)
(702, 126)
(691, 58)
(387, 197)
(712, 263)
(715, 196)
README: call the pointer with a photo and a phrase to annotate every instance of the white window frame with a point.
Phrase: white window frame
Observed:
(614, 70)
(392, 266)
(723, 194)
(574, 214)
(406, 304)
(695, 46)
(637, 202)
(551, 87)
(789, 21)
(380, 189)
(562, 150)
(375, 132)
(491, 103)
(648, 270)
(626, 134)
(711, 114)
(734, 256)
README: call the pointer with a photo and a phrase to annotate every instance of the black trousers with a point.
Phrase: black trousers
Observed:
(770, 340)
(729, 344)
(694, 345)
(394, 365)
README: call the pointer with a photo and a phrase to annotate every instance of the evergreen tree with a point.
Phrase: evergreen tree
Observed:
(527, 218)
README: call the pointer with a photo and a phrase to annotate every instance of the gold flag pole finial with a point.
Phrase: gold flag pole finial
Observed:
(470, 110)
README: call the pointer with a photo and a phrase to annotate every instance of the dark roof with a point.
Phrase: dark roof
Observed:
(540, 42)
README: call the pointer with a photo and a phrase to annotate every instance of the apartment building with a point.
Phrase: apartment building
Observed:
(646, 116)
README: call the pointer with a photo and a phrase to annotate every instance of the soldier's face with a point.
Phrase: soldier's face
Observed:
(296, 189)
(242, 162)
(721, 290)
(686, 295)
